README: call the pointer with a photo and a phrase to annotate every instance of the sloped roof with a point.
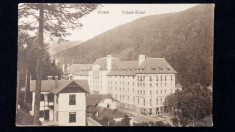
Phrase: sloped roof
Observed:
(124, 68)
(103, 63)
(49, 85)
(94, 99)
(46, 85)
(149, 65)
(82, 83)
(80, 69)
(155, 65)
(178, 85)
(110, 113)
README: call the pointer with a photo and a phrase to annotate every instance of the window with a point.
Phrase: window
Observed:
(150, 78)
(116, 96)
(171, 77)
(133, 99)
(41, 114)
(72, 117)
(161, 78)
(138, 101)
(165, 78)
(156, 78)
(165, 90)
(143, 84)
(72, 99)
(128, 98)
(42, 97)
(157, 92)
(150, 92)
(144, 92)
(133, 84)
(128, 90)
(50, 97)
(150, 84)
(150, 102)
(157, 84)
(161, 101)
(133, 90)
(157, 101)
(120, 97)
(144, 102)
(57, 98)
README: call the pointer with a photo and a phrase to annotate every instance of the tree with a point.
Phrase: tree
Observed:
(53, 21)
(192, 104)
(125, 121)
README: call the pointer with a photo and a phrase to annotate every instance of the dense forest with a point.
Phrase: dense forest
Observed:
(184, 38)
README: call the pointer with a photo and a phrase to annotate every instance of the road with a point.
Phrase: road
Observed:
(146, 118)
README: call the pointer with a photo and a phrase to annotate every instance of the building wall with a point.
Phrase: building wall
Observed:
(64, 109)
(150, 93)
(63, 119)
(44, 105)
(112, 103)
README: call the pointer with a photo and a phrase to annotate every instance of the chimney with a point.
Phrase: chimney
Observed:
(56, 81)
(49, 77)
(141, 58)
(109, 62)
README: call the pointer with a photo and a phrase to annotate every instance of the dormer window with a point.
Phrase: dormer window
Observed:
(72, 99)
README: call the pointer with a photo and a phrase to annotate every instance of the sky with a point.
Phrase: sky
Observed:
(96, 23)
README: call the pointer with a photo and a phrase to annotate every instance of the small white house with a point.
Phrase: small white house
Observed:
(102, 100)
(62, 101)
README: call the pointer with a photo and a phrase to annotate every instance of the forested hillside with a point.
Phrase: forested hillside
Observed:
(184, 38)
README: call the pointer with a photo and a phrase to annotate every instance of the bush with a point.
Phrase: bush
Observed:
(175, 121)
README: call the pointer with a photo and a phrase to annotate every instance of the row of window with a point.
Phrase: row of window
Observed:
(122, 77)
(140, 84)
(150, 102)
(140, 91)
(142, 78)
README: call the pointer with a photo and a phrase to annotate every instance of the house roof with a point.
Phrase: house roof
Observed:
(49, 85)
(80, 69)
(46, 85)
(94, 99)
(178, 85)
(110, 113)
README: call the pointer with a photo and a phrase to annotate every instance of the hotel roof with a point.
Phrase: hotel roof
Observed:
(148, 66)
(80, 69)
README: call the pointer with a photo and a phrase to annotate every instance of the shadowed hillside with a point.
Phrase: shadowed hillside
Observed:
(55, 47)
(184, 38)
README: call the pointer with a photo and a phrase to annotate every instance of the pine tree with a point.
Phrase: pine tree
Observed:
(51, 20)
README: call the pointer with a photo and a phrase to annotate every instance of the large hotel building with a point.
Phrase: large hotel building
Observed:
(139, 85)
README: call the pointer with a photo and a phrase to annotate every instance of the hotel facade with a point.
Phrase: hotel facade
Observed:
(140, 85)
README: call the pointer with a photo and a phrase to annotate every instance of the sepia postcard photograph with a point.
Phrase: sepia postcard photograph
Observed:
(115, 65)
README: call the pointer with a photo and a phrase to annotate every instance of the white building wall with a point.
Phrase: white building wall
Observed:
(64, 109)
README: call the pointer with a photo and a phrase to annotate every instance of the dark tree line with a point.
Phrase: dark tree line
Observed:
(190, 105)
